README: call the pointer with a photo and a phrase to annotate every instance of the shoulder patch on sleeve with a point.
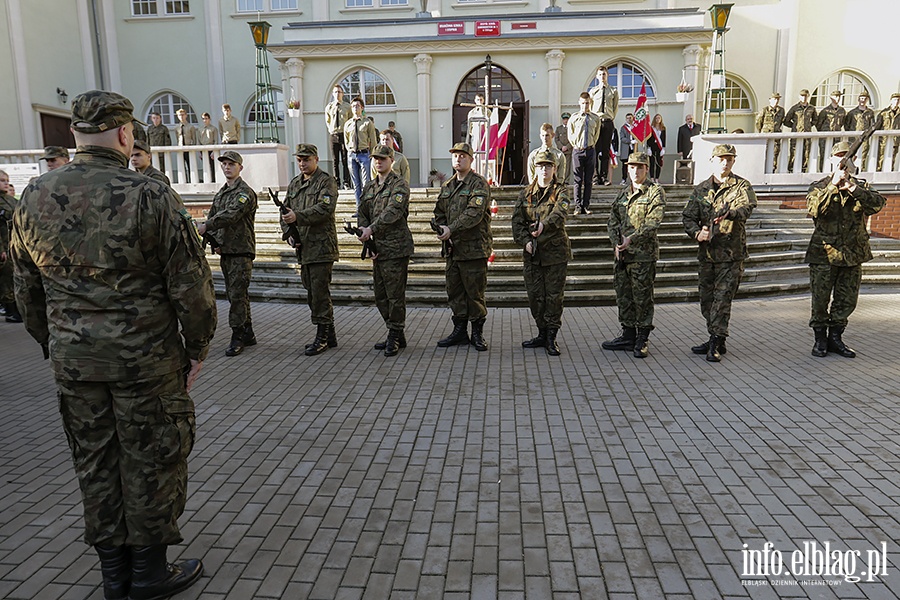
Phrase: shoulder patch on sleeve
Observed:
(243, 198)
(398, 197)
(326, 199)
(479, 201)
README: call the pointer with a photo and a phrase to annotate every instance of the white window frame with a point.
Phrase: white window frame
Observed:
(162, 9)
(350, 94)
(279, 109)
(266, 6)
(371, 4)
(651, 92)
(170, 103)
(732, 83)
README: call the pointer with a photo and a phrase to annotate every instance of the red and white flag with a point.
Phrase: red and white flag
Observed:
(641, 129)
(499, 135)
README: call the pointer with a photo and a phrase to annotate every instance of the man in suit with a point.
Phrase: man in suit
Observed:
(685, 137)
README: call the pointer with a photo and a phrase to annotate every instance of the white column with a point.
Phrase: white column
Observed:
(293, 88)
(112, 47)
(692, 55)
(87, 48)
(215, 55)
(423, 80)
(27, 117)
(554, 82)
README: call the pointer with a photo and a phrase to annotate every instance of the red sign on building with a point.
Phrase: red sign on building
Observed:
(451, 28)
(487, 28)
(531, 25)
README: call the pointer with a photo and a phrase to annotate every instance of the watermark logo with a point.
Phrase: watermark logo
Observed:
(813, 563)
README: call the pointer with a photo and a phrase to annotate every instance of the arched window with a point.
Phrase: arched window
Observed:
(369, 85)
(257, 108)
(626, 78)
(504, 87)
(167, 104)
(736, 98)
(846, 81)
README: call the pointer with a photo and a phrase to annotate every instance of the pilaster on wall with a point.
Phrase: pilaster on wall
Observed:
(692, 56)
(423, 91)
(555, 59)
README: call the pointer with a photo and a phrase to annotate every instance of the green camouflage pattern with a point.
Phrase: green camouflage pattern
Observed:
(550, 206)
(719, 283)
(237, 271)
(558, 157)
(400, 167)
(314, 201)
(859, 120)
(139, 132)
(770, 120)
(316, 280)
(136, 497)
(840, 237)
(154, 173)
(465, 207)
(95, 234)
(637, 212)
(385, 208)
(158, 135)
(800, 117)
(837, 286)
(390, 276)
(546, 287)
(890, 119)
(7, 207)
(634, 294)
(729, 241)
(831, 118)
(231, 219)
(466, 285)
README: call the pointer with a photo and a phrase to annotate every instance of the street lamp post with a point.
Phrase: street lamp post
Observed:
(714, 100)
(266, 109)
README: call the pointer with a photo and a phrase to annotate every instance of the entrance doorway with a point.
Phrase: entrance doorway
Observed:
(505, 89)
(55, 131)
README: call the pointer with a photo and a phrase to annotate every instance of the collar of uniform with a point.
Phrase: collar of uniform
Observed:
(235, 184)
(640, 189)
(86, 153)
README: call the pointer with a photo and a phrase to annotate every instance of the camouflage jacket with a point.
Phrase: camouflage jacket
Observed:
(465, 207)
(890, 118)
(562, 139)
(638, 213)
(158, 135)
(840, 237)
(139, 132)
(550, 206)
(800, 117)
(154, 173)
(384, 208)
(7, 207)
(313, 200)
(231, 218)
(107, 265)
(859, 120)
(831, 118)
(770, 120)
(729, 242)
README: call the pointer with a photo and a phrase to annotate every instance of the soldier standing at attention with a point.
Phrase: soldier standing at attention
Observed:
(56, 156)
(400, 164)
(229, 127)
(158, 135)
(715, 216)
(840, 206)
(187, 135)
(360, 136)
(382, 218)
(231, 222)
(584, 131)
(7, 296)
(140, 160)
(463, 213)
(890, 119)
(126, 325)
(336, 114)
(547, 146)
(604, 104)
(539, 227)
(801, 117)
(771, 120)
(396, 136)
(562, 139)
(633, 220)
(859, 119)
(209, 136)
(312, 197)
(831, 118)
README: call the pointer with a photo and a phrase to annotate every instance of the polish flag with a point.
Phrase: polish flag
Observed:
(641, 129)
(613, 158)
(501, 134)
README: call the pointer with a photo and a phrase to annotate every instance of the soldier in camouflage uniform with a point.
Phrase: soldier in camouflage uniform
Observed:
(140, 134)
(463, 213)
(56, 156)
(770, 120)
(115, 288)
(801, 117)
(382, 218)
(311, 198)
(890, 119)
(633, 220)
(840, 205)
(140, 160)
(859, 119)
(7, 297)
(158, 135)
(539, 227)
(715, 216)
(831, 118)
(231, 223)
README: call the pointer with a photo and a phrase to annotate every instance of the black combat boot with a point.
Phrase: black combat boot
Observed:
(459, 335)
(249, 336)
(478, 335)
(712, 354)
(153, 578)
(552, 346)
(623, 342)
(401, 341)
(704, 347)
(538, 342)
(237, 342)
(332, 336)
(115, 565)
(392, 343)
(641, 350)
(820, 348)
(12, 313)
(836, 344)
(320, 344)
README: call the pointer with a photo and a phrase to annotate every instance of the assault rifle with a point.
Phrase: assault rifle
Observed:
(446, 245)
(847, 161)
(368, 249)
(619, 263)
(292, 235)
(712, 219)
(534, 241)
(209, 240)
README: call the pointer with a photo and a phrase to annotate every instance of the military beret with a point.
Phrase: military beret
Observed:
(142, 145)
(566, 115)
(463, 148)
(724, 150)
(306, 150)
(775, 95)
(545, 158)
(382, 151)
(804, 92)
(232, 156)
(54, 152)
(638, 158)
(840, 148)
(98, 110)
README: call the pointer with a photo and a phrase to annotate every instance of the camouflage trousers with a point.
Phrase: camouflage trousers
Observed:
(805, 144)
(838, 286)
(718, 284)
(634, 294)
(7, 294)
(237, 271)
(466, 283)
(316, 280)
(390, 290)
(545, 286)
(130, 442)
(882, 146)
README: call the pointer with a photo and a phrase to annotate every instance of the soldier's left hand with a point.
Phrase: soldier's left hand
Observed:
(445, 233)
(539, 230)
(192, 375)
(625, 243)
(2, 257)
(365, 235)
(201, 228)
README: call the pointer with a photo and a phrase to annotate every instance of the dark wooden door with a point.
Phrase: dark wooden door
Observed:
(56, 132)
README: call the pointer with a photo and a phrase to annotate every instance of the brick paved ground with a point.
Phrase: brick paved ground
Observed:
(506, 474)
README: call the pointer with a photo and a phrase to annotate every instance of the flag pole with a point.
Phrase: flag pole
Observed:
(503, 157)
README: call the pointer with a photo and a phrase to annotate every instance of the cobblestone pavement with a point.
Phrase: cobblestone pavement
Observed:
(449, 473)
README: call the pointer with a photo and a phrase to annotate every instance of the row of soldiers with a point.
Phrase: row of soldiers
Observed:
(803, 117)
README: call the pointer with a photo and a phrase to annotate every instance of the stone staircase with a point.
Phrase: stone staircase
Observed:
(777, 240)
